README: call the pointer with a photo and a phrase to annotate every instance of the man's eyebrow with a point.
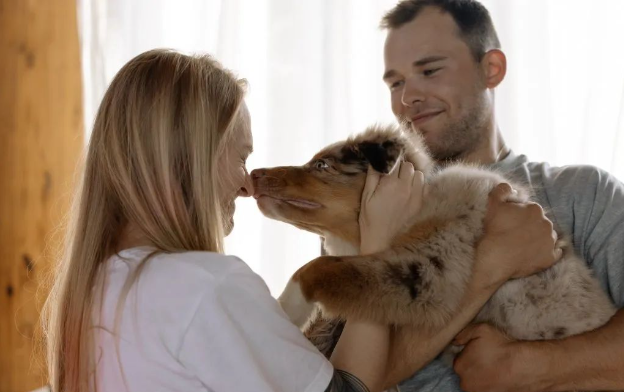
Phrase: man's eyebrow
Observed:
(427, 60)
(418, 63)
(389, 74)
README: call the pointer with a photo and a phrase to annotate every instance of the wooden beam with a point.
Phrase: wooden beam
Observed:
(41, 139)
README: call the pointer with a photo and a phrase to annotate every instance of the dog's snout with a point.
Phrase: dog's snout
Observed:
(257, 173)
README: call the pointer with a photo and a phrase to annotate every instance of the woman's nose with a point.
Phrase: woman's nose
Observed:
(247, 189)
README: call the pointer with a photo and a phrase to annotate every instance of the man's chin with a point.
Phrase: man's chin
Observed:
(426, 133)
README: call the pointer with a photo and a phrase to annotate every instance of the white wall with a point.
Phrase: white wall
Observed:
(315, 69)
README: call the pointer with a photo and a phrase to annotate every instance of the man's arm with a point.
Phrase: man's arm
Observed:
(589, 203)
(518, 242)
(590, 361)
(596, 200)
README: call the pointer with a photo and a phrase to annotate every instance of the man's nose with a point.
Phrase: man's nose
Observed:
(412, 94)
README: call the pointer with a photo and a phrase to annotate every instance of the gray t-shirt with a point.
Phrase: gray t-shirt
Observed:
(583, 201)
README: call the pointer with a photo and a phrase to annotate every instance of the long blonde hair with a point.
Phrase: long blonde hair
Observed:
(152, 161)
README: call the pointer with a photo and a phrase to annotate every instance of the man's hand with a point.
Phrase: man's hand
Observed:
(518, 241)
(491, 361)
(592, 361)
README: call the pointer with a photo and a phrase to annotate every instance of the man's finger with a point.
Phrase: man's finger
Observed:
(557, 254)
(469, 333)
(501, 192)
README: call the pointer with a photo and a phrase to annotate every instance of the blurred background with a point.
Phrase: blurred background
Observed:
(314, 69)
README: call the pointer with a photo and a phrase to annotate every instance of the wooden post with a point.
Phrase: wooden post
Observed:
(41, 140)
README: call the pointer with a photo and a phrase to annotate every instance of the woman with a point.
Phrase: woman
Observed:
(144, 298)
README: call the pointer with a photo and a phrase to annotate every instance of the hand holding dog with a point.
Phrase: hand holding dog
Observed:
(491, 361)
(389, 202)
(519, 240)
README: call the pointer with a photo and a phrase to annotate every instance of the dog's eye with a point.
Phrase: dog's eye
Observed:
(320, 164)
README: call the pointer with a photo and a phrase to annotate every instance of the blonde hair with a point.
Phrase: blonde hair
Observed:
(151, 161)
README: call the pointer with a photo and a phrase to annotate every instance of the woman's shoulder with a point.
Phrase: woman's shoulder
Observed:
(182, 269)
(170, 286)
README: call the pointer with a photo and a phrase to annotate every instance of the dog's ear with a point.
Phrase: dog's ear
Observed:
(381, 156)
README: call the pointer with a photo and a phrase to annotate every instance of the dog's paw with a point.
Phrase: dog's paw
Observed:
(294, 304)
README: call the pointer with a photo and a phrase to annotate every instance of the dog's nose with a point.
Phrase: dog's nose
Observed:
(257, 173)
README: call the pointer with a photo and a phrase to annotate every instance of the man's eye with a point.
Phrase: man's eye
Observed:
(320, 164)
(396, 85)
(429, 72)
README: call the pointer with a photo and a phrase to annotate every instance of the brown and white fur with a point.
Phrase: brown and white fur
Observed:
(420, 280)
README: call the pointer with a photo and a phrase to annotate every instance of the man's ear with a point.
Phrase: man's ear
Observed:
(381, 156)
(494, 65)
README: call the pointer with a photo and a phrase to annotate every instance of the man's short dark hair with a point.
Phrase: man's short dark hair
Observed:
(472, 18)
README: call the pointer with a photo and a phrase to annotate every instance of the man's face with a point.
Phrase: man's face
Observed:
(437, 87)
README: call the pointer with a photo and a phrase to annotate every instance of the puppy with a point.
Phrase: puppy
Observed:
(420, 280)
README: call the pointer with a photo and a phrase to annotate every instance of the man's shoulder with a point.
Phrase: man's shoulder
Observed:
(587, 172)
(553, 171)
(575, 182)
(564, 191)
(543, 175)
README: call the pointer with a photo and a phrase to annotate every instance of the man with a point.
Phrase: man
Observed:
(442, 65)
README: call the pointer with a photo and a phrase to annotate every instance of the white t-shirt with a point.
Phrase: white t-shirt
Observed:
(198, 321)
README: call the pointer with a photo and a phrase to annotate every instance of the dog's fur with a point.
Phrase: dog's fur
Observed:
(420, 280)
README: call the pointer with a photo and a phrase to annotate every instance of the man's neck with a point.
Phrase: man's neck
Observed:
(492, 149)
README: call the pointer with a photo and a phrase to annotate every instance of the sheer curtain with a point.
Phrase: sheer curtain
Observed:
(315, 67)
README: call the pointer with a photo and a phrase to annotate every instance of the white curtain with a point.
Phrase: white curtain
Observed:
(315, 67)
